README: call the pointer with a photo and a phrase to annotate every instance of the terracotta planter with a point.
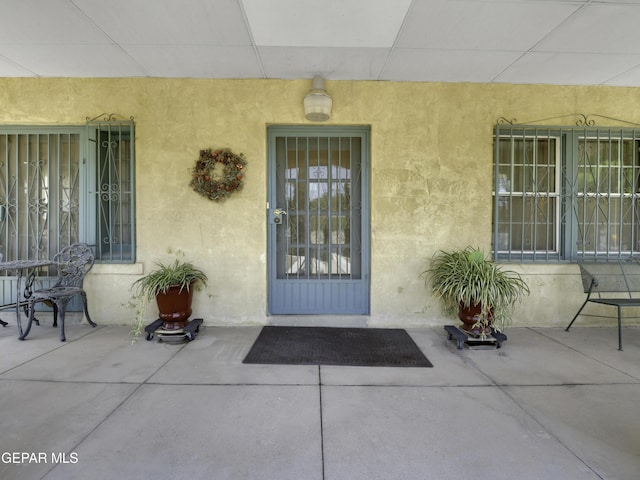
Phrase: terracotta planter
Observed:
(175, 307)
(470, 317)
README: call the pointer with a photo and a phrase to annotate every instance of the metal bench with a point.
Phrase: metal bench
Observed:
(611, 283)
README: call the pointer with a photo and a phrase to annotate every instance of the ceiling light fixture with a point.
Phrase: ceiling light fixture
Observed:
(317, 103)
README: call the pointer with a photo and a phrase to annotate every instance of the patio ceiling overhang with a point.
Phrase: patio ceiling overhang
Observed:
(573, 42)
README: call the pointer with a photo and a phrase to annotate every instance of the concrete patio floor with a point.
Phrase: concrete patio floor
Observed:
(550, 404)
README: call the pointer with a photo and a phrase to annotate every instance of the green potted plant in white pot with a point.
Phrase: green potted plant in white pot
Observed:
(478, 290)
(172, 286)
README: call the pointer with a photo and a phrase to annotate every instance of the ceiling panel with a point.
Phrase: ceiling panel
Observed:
(334, 63)
(169, 22)
(10, 69)
(197, 61)
(328, 23)
(630, 77)
(34, 22)
(598, 28)
(443, 65)
(481, 25)
(74, 60)
(568, 68)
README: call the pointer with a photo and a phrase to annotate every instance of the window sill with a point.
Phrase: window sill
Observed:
(118, 269)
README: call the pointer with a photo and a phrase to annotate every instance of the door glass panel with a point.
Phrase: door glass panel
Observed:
(316, 180)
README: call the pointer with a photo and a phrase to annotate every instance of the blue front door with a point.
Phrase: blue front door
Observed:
(318, 220)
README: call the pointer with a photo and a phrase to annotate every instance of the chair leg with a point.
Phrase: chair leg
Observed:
(86, 309)
(61, 310)
(26, 331)
(619, 329)
(577, 314)
(26, 314)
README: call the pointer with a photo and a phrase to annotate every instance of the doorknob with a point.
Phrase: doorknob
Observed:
(277, 215)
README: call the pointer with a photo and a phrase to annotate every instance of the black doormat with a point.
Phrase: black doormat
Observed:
(363, 347)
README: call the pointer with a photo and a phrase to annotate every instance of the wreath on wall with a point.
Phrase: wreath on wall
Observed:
(218, 173)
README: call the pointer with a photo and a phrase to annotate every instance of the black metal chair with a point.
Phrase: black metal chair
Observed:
(73, 263)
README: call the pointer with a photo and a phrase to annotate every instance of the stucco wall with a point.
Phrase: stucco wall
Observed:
(431, 155)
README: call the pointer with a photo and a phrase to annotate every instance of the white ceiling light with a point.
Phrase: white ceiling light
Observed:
(317, 103)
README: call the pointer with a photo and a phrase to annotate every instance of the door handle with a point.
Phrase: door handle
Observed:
(277, 215)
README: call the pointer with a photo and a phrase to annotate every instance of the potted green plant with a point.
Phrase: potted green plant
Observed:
(476, 288)
(172, 286)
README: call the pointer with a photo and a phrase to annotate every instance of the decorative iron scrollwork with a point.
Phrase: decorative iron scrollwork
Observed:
(109, 118)
(580, 119)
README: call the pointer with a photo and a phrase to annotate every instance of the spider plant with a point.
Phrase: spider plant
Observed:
(166, 275)
(179, 273)
(466, 278)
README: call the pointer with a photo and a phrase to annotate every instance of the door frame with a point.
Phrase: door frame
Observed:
(361, 131)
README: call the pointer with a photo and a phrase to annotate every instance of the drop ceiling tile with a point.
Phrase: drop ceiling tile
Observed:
(179, 61)
(11, 69)
(474, 25)
(598, 28)
(446, 66)
(169, 22)
(630, 77)
(46, 21)
(74, 60)
(568, 68)
(329, 23)
(331, 63)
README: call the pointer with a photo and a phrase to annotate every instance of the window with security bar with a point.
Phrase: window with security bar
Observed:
(60, 185)
(39, 191)
(111, 189)
(564, 194)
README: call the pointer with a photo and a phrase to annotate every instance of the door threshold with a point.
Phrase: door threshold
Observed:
(351, 321)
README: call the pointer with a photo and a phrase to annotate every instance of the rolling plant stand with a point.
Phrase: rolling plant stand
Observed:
(188, 333)
(463, 338)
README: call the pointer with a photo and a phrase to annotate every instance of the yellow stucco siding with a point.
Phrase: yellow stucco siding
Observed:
(431, 157)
